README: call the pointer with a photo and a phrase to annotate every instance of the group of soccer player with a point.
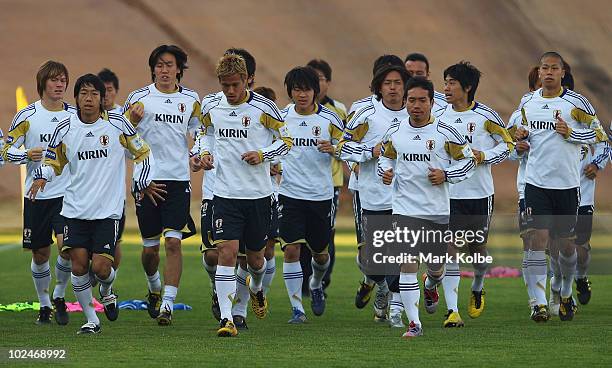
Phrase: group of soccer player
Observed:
(418, 158)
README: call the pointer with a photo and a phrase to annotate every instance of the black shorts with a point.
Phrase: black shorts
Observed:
(552, 209)
(242, 219)
(40, 219)
(336, 202)
(584, 224)
(369, 217)
(307, 222)
(206, 211)
(522, 218)
(430, 243)
(357, 215)
(472, 215)
(171, 214)
(121, 225)
(97, 236)
(273, 233)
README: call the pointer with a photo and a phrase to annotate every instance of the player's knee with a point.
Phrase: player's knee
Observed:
(211, 257)
(320, 258)
(173, 246)
(292, 253)
(41, 255)
(101, 268)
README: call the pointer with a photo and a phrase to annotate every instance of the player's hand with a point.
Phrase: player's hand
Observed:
(522, 146)
(136, 113)
(195, 163)
(325, 147)
(387, 177)
(154, 191)
(591, 171)
(251, 157)
(520, 134)
(478, 155)
(275, 170)
(376, 150)
(561, 127)
(38, 184)
(207, 161)
(436, 176)
(35, 154)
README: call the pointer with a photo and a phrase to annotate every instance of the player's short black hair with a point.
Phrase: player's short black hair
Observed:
(415, 56)
(303, 77)
(386, 60)
(467, 75)
(553, 54)
(248, 59)
(92, 80)
(179, 55)
(322, 66)
(420, 82)
(107, 76)
(381, 74)
(568, 81)
(267, 92)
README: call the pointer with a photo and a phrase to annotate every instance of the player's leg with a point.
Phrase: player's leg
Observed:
(105, 235)
(209, 253)
(522, 222)
(256, 231)
(273, 239)
(332, 240)
(567, 203)
(381, 299)
(410, 295)
(584, 228)
(37, 234)
(396, 308)
(292, 231)
(150, 226)
(63, 265)
(366, 285)
(554, 296)
(118, 253)
(452, 278)
(318, 230)
(241, 302)
(483, 210)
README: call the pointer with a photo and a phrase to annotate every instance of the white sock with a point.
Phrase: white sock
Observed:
(568, 270)
(396, 306)
(318, 272)
(526, 275)
(270, 272)
(154, 282)
(225, 280)
(537, 269)
(257, 276)
(450, 284)
(432, 281)
(106, 285)
(581, 268)
(210, 270)
(41, 274)
(242, 293)
(82, 290)
(555, 280)
(410, 294)
(168, 298)
(63, 268)
(480, 270)
(292, 273)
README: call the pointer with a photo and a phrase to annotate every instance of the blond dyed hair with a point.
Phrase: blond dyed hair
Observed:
(231, 64)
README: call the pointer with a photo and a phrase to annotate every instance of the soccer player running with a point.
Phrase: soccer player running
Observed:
(324, 71)
(417, 65)
(92, 145)
(361, 144)
(111, 85)
(306, 192)
(416, 160)
(244, 125)
(163, 114)
(471, 200)
(32, 128)
(556, 122)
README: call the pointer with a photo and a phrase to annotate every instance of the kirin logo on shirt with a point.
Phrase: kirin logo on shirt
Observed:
(246, 121)
(430, 144)
(104, 140)
(316, 131)
(182, 107)
(471, 127)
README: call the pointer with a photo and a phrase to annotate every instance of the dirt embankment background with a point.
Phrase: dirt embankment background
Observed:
(502, 38)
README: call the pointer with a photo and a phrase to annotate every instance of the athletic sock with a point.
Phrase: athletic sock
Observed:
(318, 272)
(410, 295)
(41, 275)
(242, 293)
(154, 282)
(63, 268)
(270, 272)
(82, 289)
(568, 270)
(257, 276)
(293, 276)
(225, 280)
(450, 284)
(168, 298)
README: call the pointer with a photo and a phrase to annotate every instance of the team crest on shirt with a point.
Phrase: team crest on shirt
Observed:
(104, 140)
(316, 131)
(430, 144)
(182, 107)
(246, 121)
(471, 127)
